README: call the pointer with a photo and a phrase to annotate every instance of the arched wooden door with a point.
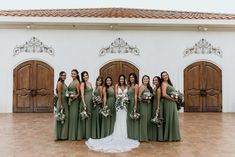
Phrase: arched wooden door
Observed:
(33, 87)
(116, 68)
(203, 87)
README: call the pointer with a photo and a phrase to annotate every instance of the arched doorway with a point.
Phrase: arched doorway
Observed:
(33, 87)
(115, 68)
(203, 87)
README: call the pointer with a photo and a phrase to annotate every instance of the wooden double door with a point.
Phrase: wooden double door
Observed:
(33, 87)
(203, 87)
(116, 68)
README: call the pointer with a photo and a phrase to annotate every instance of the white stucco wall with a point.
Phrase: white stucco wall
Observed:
(159, 50)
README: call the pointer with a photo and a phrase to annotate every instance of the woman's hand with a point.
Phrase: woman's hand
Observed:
(158, 110)
(135, 108)
(84, 106)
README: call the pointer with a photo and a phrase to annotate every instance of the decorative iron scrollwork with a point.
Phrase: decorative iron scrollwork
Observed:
(34, 45)
(119, 46)
(203, 47)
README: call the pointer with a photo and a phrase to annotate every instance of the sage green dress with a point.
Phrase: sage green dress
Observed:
(61, 132)
(96, 118)
(132, 125)
(84, 126)
(171, 130)
(155, 132)
(73, 114)
(144, 122)
(107, 124)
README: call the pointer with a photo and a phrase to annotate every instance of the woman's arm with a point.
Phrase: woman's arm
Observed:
(116, 90)
(136, 97)
(82, 94)
(100, 90)
(164, 94)
(77, 84)
(141, 89)
(158, 99)
(59, 94)
(104, 97)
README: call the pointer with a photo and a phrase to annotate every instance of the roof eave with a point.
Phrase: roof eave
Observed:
(110, 23)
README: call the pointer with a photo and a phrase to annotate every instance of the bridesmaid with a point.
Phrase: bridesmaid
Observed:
(155, 132)
(171, 130)
(96, 117)
(84, 126)
(132, 125)
(74, 87)
(61, 88)
(145, 109)
(107, 124)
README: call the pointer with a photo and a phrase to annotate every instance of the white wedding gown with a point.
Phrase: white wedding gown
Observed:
(118, 141)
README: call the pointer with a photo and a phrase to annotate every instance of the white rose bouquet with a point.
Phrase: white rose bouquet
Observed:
(96, 100)
(60, 116)
(121, 102)
(179, 98)
(157, 120)
(105, 111)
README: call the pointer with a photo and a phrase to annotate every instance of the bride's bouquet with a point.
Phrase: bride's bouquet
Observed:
(96, 100)
(179, 97)
(157, 120)
(105, 111)
(60, 116)
(121, 102)
(134, 115)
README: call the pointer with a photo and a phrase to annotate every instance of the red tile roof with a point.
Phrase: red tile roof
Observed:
(118, 13)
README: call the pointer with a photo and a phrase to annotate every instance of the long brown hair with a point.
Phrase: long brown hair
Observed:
(107, 86)
(135, 76)
(82, 75)
(124, 77)
(148, 85)
(99, 78)
(76, 71)
(59, 79)
(159, 81)
(168, 81)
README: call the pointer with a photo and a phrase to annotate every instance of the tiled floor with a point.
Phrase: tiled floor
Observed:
(203, 134)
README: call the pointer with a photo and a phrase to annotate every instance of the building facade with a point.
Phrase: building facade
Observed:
(196, 49)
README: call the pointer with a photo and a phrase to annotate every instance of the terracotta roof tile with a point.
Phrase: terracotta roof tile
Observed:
(118, 13)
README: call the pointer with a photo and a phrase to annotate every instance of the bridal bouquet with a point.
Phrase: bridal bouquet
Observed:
(105, 111)
(146, 97)
(134, 115)
(60, 116)
(179, 97)
(70, 95)
(96, 100)
(84, 114)
(121, 102)
(157, 120)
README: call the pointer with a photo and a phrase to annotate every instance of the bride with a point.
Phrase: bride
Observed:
(118, 141)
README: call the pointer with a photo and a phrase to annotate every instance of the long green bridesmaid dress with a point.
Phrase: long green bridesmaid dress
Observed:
(155, 132)
(73, 114)
(84, 126)
(62, 129)
(132, 125)
(107, 124)
(96, 119)
(171, 130)
(144, 122)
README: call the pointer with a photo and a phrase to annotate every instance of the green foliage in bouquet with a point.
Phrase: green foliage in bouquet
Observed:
(179, 98)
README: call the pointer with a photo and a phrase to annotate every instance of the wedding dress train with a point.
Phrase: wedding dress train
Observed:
(118, 141)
